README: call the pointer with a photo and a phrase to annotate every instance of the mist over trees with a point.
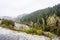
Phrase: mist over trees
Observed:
(40, 21)
(45, 13)
(47, 19)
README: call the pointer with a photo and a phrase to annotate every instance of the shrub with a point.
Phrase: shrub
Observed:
(10, 27)
(39, 32)
(31, 30)
(36, 25)
(58, 31)
(31, 24)
(51, 21)
(3, 25)
(47, 28)
(50, 35)
(24, 30)
(7, 22)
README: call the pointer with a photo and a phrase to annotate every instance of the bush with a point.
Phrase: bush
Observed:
(32, 30)
(47, 28)
(24, 30)
(7, 22)
(51, 21)
(39, 32)
(31, 24)
(36, 25)
(58, 31)
(3, 25)
(11, 27)
(50, 35)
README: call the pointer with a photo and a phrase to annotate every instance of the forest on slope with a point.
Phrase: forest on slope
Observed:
(43, 13)
(40, 22)
(47, 19)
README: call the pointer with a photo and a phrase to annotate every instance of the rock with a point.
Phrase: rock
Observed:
(56, 38)
(20, 26)
(6, 34)
(8, 37)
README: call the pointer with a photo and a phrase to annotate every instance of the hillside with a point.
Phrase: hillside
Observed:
(17, 19)
(42, 13)
(47, 19)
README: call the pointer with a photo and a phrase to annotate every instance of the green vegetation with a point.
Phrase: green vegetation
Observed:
(50, 35)
(40, 21)
(7, 24)
(58, 31)
(39, 32)
(46, 19)
(33, 31)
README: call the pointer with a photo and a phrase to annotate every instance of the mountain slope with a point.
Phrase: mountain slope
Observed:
(34, 16)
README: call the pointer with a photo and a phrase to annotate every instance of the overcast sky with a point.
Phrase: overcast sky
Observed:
(14, 8)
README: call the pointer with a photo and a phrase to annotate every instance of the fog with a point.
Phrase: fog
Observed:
(14, 8)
